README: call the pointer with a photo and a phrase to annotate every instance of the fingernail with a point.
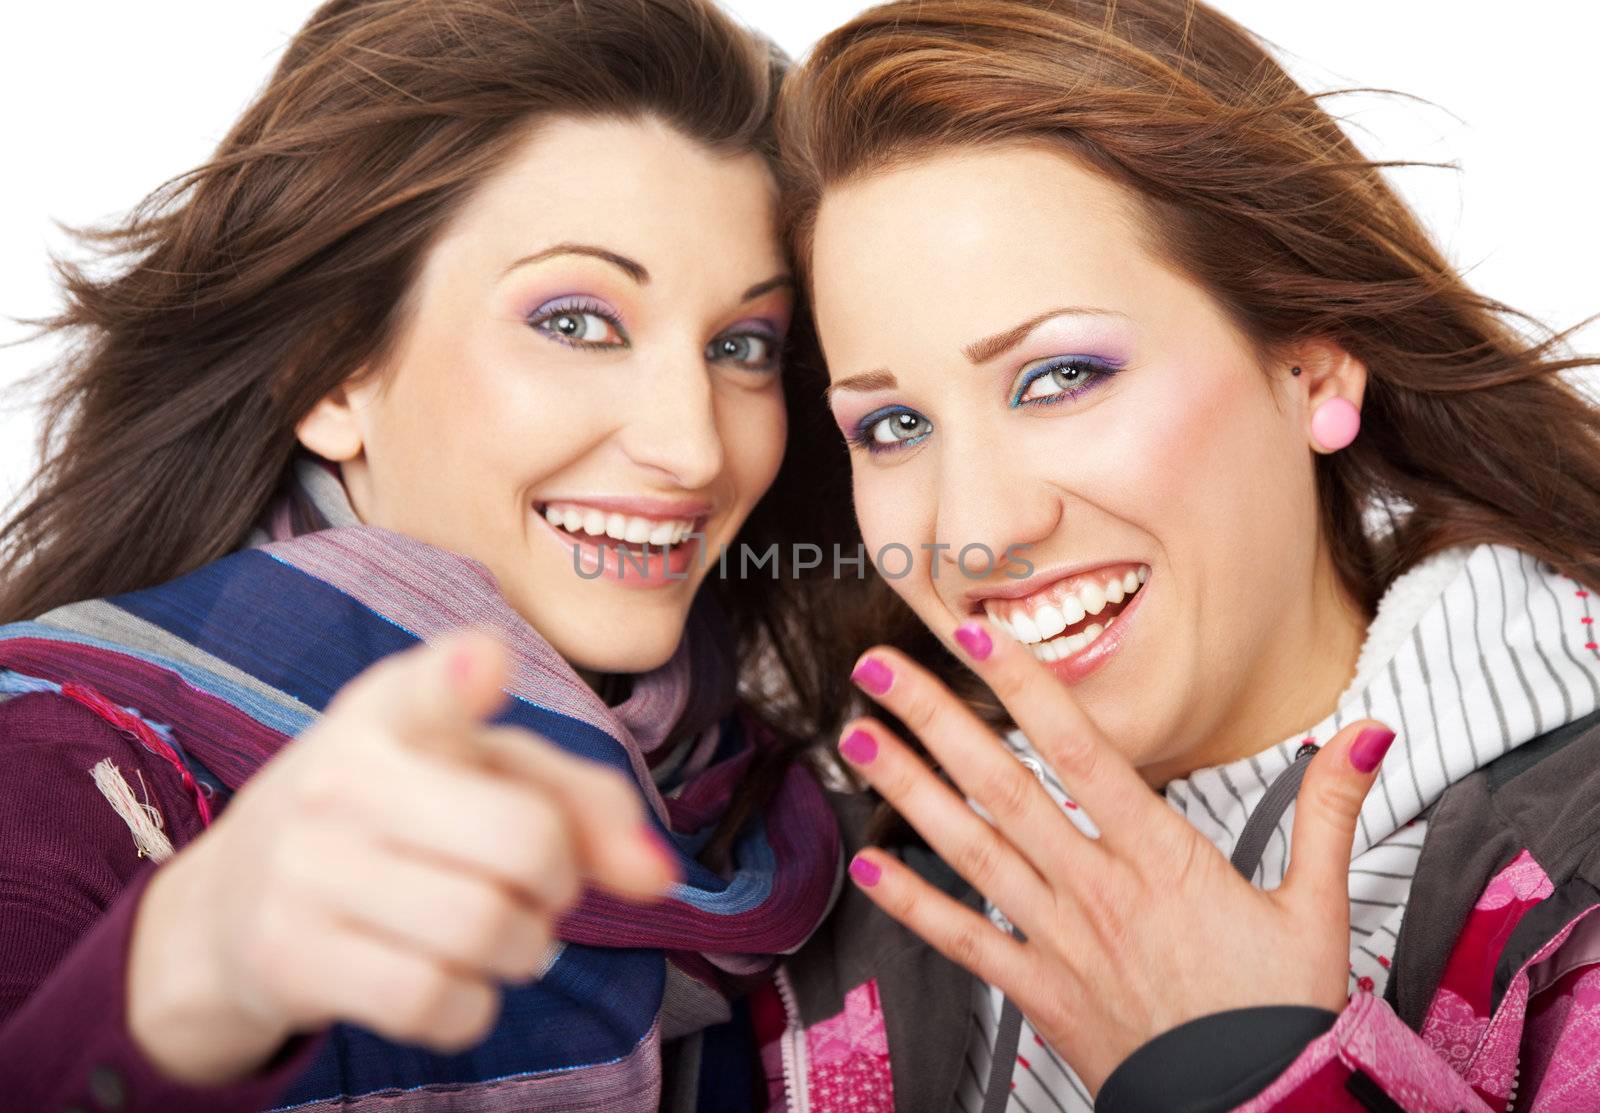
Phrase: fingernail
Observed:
(975, 640)
(873, 675)
(1369, 748)
(668, 853)
(864, 871)
(462, 666)
(859, 746)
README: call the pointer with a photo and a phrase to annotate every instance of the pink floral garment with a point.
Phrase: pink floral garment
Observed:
(1468, 1057)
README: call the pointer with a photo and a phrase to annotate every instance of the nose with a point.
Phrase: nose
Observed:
(672, 427)
(981, 502)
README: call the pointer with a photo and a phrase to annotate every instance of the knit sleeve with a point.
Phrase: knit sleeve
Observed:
(71, 878)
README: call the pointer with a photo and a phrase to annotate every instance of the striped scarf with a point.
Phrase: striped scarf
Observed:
(222, 667)
(1472, 653)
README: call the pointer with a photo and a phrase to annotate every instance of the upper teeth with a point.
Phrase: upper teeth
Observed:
(634, 530)
(1039, 621)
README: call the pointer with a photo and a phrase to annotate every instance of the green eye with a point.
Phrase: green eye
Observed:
(582, 328)
(747, 349)
(899, 428)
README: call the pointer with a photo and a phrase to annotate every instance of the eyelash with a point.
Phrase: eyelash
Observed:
(1098, 371)
(542, 317)
(575, 307)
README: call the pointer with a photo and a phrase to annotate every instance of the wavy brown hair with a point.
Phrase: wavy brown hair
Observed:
(237, 295)
(1470, 431)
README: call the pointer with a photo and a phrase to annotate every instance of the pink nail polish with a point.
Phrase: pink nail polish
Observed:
(859, 746)
(864, 871)
(873, 675)
(462, 667)
(1369, 748)
(663, 848)
(975, 640)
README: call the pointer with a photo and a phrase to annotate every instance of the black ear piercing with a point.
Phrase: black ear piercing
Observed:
(1294, 370)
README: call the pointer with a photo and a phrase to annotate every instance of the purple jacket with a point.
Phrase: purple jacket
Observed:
(70, 883)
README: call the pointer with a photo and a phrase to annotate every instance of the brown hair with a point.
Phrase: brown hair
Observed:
(1469, 431)
(247, 289)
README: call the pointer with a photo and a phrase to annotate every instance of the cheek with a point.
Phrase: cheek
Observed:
(894, 508)
(753, 426)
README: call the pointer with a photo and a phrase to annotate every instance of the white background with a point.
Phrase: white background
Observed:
(102, 101)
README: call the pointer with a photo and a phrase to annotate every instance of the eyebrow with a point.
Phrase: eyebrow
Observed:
(982, 351)
(633, 268)
(978, 352)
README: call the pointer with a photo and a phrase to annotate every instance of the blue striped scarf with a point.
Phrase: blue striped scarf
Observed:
(225, 665)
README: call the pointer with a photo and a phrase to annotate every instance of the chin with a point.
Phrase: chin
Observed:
(638, 654)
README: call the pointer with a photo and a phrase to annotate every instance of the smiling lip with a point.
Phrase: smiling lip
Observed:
(1078, 666)
(643, 506)
(604, 559)
(1039, 581)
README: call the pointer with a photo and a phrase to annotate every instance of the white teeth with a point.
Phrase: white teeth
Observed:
(1042, 627)
(1057, 648)
(1025, 629)
(1093, 596)
(631, 529)
(1049, 620)
(1072, 610)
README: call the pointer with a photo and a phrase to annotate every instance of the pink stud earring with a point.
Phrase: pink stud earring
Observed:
(1335, 423)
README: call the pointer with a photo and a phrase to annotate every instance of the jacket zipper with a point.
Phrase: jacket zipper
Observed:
(794, 1100)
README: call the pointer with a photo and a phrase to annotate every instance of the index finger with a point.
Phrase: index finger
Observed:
(618, 844)
(1091, 769)
(434, 695)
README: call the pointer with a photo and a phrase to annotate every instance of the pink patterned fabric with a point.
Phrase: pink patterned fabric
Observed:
(1468, 1055)
(1458, 1025)
(847, 1057)
(1562, 1070)
(1467, 1058)
(1368, 1037)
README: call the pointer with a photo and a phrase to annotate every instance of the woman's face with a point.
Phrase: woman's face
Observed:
(1014, 367)
(588, 375)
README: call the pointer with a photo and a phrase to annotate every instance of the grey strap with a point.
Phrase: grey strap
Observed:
(1264, 820)
(997, 1093)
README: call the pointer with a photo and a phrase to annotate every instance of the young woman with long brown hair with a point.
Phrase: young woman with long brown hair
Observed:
(1305, 520)
(475, 320)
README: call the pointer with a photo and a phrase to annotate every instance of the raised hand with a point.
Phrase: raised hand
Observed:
(1126, 935)
(390, 868)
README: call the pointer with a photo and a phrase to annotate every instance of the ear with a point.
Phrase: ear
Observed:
(1326, 371)
(333, 429)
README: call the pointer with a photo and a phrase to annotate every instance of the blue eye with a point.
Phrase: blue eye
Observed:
(578, 324)
(1057, 378)
(890, 429)
(753, 351)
